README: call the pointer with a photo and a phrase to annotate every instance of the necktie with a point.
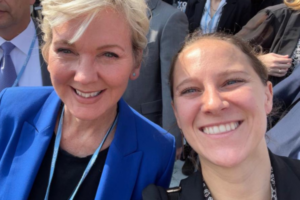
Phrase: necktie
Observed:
(7, 69)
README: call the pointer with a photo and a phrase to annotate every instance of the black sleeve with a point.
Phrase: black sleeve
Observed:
(153, 192)
(245, 14)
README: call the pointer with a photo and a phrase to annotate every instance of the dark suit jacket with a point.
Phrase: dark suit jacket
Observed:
(141, 152)
(44, 71)
(150, 93)
(276, 29)
(287, 179)
(235, 15)
(258, 5)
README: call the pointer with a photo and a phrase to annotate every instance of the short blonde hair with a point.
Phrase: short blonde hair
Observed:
(293, 4)
(57, 12)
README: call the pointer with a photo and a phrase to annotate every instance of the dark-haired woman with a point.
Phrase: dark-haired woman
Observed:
(221, 104)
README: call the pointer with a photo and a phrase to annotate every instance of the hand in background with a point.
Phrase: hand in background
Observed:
(277, 65)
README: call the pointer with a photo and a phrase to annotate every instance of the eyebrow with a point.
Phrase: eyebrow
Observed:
(66, 42)
(221, 74)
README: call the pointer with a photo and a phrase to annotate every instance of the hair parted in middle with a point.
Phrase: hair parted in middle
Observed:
(57, 12)
(248, 50)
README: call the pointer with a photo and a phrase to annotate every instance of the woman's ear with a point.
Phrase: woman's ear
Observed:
(137, 65)
(269, 97)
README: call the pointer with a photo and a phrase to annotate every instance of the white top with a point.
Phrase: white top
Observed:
(32, 73)
(209, 24)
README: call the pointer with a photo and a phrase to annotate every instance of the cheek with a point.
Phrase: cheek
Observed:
(187, 110)
(59, 71)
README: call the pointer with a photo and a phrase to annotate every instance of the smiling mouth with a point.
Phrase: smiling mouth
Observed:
(88, 94)
(222, 128)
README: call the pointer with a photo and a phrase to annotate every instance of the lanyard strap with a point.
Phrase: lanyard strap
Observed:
(25, 63)
(90, 164)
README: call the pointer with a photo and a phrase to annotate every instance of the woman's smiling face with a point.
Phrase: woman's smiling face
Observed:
(220, 102)
(91, 75)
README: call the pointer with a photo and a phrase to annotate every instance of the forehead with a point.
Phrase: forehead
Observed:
(212, 55)
(108, 26)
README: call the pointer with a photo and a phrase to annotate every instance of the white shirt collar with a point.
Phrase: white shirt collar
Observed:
(24, 39)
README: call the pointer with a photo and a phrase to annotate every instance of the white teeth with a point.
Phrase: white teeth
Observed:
(216, 129)
(221, 128)
(87, 95)
(228, 128)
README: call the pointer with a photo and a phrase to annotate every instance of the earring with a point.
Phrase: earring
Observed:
(133, 74)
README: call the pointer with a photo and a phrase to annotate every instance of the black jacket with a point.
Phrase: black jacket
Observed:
(235, 15)
(258, 5)
(276, 29)
(286, 172)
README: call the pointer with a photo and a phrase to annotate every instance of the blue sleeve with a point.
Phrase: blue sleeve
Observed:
(2, 139)
(165, 179)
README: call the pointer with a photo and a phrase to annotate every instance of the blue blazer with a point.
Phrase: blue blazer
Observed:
(141, 152)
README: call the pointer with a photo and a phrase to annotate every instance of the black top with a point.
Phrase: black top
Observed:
(67, 174)
(286, 174)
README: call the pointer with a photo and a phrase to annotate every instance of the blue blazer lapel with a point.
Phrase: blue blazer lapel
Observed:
(32, 145)
(123, 160)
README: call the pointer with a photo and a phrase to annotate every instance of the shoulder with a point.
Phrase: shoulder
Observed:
(192, 185)
(278, 11)
(147, 133)
(153, 192)
(22, 101)
(150, 131)
(286, 165)
(165, 13)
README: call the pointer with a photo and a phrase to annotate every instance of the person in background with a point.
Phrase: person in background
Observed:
(221, 104)
(218, 15)
(21, 61)
(258, 5)
(283, 138)
(79, 139)
(277, 30)
(150, 94)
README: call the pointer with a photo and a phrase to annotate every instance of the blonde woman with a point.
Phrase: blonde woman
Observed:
(79, 139)
(277, 30)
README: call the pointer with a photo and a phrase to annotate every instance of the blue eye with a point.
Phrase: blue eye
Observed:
(61, 50)
(233, 81)
(111, 55)
(189, 91)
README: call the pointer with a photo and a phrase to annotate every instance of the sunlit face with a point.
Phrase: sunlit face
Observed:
(220, 102)
(91, 75)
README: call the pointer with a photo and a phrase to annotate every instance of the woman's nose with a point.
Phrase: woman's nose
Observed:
(213, 102)
(85, 71)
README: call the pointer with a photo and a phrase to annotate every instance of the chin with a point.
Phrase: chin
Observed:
(227, 159)
(84, 113)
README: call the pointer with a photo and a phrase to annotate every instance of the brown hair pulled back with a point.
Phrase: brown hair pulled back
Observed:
(248, 50)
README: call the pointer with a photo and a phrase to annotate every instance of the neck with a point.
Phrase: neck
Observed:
(82, 137)
(250, 180)
(9, 33)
